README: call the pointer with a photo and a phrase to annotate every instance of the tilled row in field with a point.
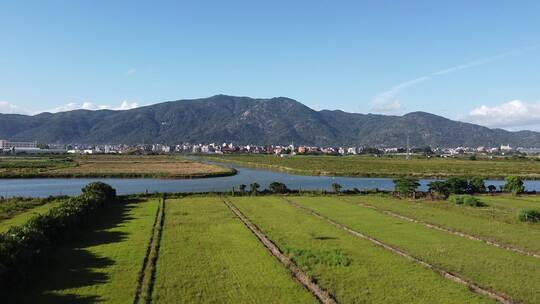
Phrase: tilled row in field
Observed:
(145, 283)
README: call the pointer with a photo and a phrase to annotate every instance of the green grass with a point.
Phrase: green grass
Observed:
(102, 266)
(370, 274)
(12, 206)
(510, 205)
(486, 222)
(514, 274)
(385, 166)
(21, 217)
(208, 256)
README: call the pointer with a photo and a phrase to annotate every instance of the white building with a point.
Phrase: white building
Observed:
(6, 144)
(506, 148)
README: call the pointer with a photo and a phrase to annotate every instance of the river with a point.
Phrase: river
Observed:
(43, 187)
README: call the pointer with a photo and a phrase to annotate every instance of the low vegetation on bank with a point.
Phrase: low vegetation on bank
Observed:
(109, 166)
(369, 166)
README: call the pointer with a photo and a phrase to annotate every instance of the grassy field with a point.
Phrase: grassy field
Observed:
(157, 166)
(208, 256)
(353, 270)
(21, 217)
(495, 268)
(103, 266)
(491, 222)
(510, 205)
(387, 167)
(10, 207)
(202, 253)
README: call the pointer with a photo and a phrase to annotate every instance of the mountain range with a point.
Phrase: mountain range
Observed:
(245, 120)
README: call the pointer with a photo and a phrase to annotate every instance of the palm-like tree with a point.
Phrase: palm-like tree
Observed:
(336, 187)
(242, 188)
(254, 188)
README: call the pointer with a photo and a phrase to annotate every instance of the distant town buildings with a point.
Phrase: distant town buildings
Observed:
(6, 144)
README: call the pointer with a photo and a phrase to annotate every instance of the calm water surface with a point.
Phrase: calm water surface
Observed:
(42, 187)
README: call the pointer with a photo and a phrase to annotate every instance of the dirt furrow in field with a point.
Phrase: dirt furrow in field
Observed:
(145, 283)
(304, 279)
(448, 230)
(500, 297)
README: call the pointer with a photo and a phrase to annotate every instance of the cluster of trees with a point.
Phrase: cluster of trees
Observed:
(458, 185)
(274, 187)
(407, 187)
(23, 246)
(281, 188)
(253, 189)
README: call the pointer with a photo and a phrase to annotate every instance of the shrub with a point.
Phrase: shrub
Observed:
(309, 258)
(529, 215)
(476, 185)
(100, 190)
(467, 200)
(277, 187)
(458, 185)
(406, 186)
(23, 246)
(439, 187)
(514, 184)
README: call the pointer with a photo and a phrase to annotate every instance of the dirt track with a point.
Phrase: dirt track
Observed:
(145, 282)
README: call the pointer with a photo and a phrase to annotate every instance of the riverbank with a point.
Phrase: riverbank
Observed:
(385, 167)
(107, 166)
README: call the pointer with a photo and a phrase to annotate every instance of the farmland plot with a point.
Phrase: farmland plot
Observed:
(208, 256)
(460, 218)
(351, 269)
(513, 274)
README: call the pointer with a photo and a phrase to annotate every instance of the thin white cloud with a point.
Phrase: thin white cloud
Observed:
(387, 96)
(8, 108)
(388, 108)
(125, 105)
(512, 115)
(131, 71)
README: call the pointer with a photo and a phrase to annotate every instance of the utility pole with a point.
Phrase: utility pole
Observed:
(408, 147)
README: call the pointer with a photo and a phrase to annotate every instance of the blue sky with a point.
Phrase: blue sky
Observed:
(476, 61)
